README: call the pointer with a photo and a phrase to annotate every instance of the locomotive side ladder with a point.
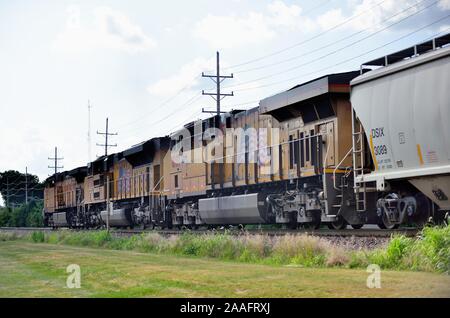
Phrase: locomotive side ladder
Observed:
(358, 165)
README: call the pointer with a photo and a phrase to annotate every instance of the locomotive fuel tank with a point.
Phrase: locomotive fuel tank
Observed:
(60, 219)
(237, 209)
(117, 217)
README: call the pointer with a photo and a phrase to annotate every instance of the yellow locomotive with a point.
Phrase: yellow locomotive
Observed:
(284, 162)
(304, 157)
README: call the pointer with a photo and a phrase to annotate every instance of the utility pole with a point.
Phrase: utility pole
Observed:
(218, 79)
(106, 134)
(56, 167)
(106, 145)
(7, 192)
(26, 185)
(218, 96)
(89, 131)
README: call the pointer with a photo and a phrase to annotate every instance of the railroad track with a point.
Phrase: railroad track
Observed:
(409, 232)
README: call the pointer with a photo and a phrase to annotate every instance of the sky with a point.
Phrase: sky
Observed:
(139, 63)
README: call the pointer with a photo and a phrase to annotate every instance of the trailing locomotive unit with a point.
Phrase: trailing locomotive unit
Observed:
(134, 179)
(305, 133)
(63, 198)
(404, 109)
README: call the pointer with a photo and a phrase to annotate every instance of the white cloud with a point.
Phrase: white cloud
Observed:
(110, 29)
(444, 28)
(444, 4)
(284, 15)
(252, 28)
(232, 31)
(330, 18)
(369, 15)
(187, 77)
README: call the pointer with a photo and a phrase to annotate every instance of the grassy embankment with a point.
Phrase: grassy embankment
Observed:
(39, 270)
(430, 252)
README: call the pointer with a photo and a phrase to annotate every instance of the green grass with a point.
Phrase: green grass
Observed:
(39, 270)
(430, 252)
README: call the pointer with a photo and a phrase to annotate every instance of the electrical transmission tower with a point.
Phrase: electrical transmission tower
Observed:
(56, 159)
(106, 133)
(218, 79)
(89, 131)
(108, 193)
(26, 185)
(217, 96)
(56, 167)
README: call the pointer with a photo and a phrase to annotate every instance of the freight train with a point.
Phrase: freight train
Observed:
(346, 149)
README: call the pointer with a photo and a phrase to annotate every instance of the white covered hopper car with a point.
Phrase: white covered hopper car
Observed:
(401, 143)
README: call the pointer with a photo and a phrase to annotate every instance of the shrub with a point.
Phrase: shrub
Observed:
(38, 237)
(300, 250)
(429, 252)
(100, 238)
(337, 256)
(8, 237)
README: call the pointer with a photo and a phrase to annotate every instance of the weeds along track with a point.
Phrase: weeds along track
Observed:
(409, 232)
(349, 239)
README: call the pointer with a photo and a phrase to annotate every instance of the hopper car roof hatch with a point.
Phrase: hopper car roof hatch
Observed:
(410, 52)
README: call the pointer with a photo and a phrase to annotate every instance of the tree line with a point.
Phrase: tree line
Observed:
(23, 196)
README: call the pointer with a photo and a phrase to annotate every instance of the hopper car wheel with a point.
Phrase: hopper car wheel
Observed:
(424, 209)
(340, 224)
(385, 224)
(357, 226)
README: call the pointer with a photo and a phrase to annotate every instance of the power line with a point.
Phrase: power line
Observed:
(330, 44)
(163, 103)
(309, 39)
(337, 50)
(106, 133)
(351, 44)
(347, 60)
(189, 85)
(191, 100)
(154, 123)
(297, 44)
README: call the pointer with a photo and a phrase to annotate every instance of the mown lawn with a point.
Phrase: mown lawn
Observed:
(39, 270)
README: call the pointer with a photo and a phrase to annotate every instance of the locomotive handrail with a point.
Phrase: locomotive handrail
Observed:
(337, 168)
(325, 164)
(157, 184)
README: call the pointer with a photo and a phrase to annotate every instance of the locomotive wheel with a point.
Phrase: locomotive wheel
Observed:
(357, 226)
(340, 224)
(292, 225)
(315, 224)
(385, 224)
